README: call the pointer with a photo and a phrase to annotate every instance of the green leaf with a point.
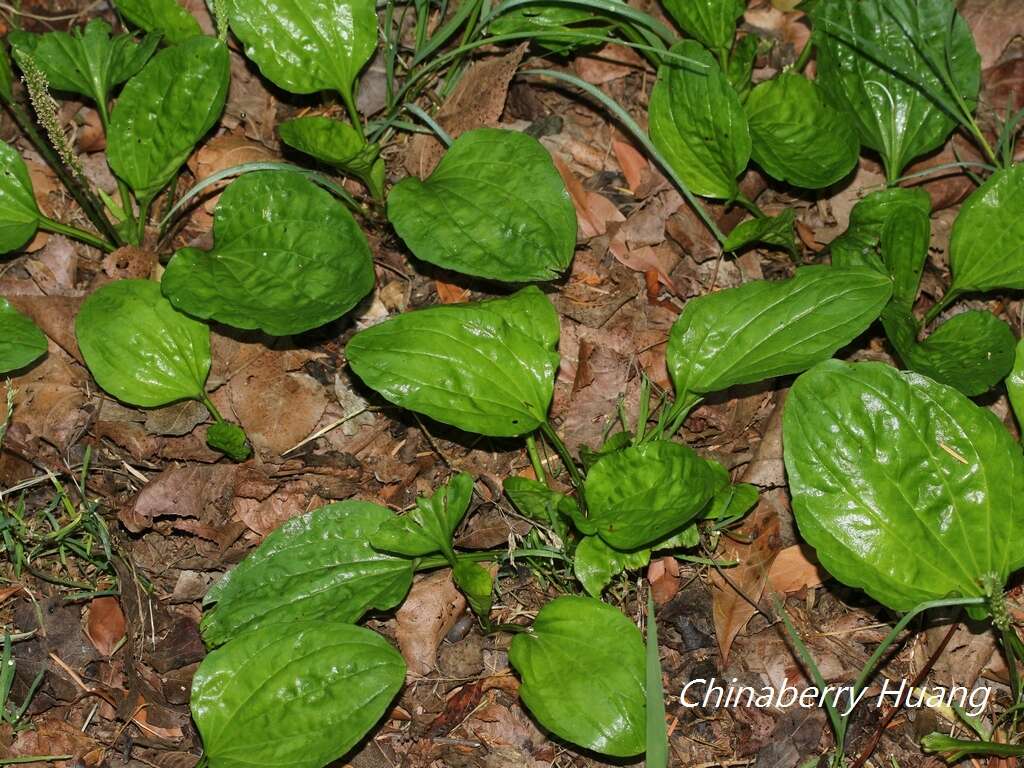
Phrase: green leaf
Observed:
(476, 584)
(698, 124)
(536, 501)
(764, 329)
(478, 367)
(165, 110)
(229, 439)
(796, 136)
(298, 694)
(304, 46)
(164, 16)
(711, 22)
(986, 249)
(317, 567)
(139, 348)
(429, 527)
(657, 725)
(6, 76)
(596, 564)
(287, 257)
(552, 26)
(494, 207)
(772, 230)
(582, 666)
(19, 214)
(642, 494)
(875, 69)
(335, 143)
(1015, 384)
(21, 341)
(905, 488)
(86, 60)
(740, 68)
(972, 351)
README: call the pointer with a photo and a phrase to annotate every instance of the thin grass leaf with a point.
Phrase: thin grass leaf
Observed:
(657, 732)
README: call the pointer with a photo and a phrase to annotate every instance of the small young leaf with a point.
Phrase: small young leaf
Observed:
(304, 46)
(494, 207)
(552, 26)
(165, 110)
(741, 65)
(298, 693)
(21, 341)
(772, 230)
(428, 528)
(875, 69)
(317, 567)
(229, 439)
(582, 666)
(475, 366)
(796, 136)
(474, 581)
(173, 22)
(86, 60)
(19, 214)
(596, 564)
(763, 329)
(139, 348)
(972, 351)
(642, 494)
(697, 123)
(287, 257)
(335, 143)
(536, 501)
(710, 22)
(905, 488)
(986, 249)
(1015, 384)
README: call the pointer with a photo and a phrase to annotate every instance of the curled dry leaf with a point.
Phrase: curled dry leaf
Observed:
(427, 615)
(106, 624)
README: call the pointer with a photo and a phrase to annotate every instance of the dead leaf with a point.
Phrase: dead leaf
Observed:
(428, 613)
(227, 151)
(593, 211)
(129, 263)
(663, 575)
(183, 492)
(106, 625)
(610, 63)
(632, 163)
(177, 419)
(994, 23)
(449, 293)
(795, 568)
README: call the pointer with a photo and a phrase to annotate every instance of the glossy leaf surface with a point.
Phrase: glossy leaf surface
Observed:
(316, 567)
(287, 257)
(167, 17)
(642, 494)
(873, 63)
(494, 207)
(304, 46)
(771, 230)
(596, 564)
(487, 367)
(796, 136)
(986, 249)
(139, 348)
(19, 214)
(711, 22)
(335, 143)
(21, 341)
(431, 525)
(698, 124)
(229, 439)
(1015, 384)
(165, 110)
(905, 488)
(298, 693)
(582, 666)
(763, 329)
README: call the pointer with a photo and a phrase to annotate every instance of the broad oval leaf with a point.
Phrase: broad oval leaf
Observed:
(582, 666)
(1015, 384)
(19, 213)
(21, 341)
(298, 694)
(304, 46)
(139, 348)
(167, 17)
(317, 567)
(487, 367)
(338, 144)
(972, 351)
(711, 22)
(905, 488)
(771, 230)
(595, 564)
(874, 62)
(86, 60)
(986, 249)
(764, 329)
(697, 123)
(165, 110)
(287, 257)
(796, 136)
(494, 207)
(642, 494)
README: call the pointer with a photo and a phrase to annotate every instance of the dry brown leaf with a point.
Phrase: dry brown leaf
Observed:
(227, 151)
(632, 163)
(795, 568)
(663, 575)
(106, 625)
(55, 316)
(994, 24)
(129, 263)
(449, 293)
(183, 491)
(593, 211)
(610, 63)
(428, 613)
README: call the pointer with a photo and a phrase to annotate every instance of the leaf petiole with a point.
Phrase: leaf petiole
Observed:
(74, 232)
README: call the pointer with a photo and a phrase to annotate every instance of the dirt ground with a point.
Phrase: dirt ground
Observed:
(117, 634)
